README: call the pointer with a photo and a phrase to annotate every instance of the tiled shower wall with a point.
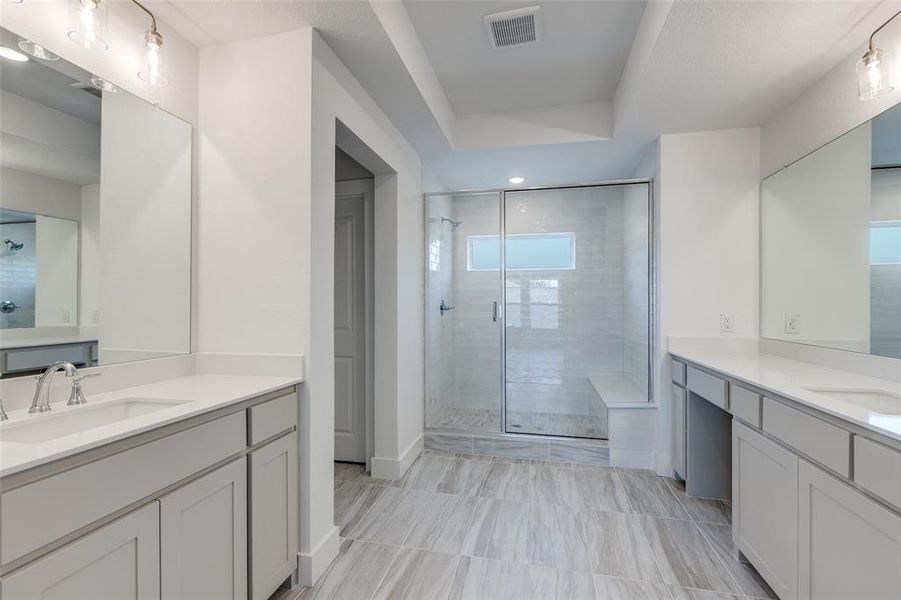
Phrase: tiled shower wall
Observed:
(18, 271)
(635, 291)
(440, 328)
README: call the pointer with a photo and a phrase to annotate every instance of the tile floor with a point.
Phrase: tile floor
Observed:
(478, 528)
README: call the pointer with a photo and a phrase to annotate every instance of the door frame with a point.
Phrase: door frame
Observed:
(502, 202)
(365, 188)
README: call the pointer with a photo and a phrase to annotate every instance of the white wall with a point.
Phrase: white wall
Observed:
(40, 195)
(56, 282)
(815, 262)
(707, 218)
(266, 194)
(145, 231)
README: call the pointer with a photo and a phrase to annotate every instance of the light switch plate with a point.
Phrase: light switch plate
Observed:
(793, 324)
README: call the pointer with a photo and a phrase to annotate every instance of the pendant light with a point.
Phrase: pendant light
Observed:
(88, 23)
(155, 69)
(875, 72)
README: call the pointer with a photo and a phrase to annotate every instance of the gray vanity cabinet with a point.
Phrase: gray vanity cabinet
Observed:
(119, 561)
(850, 546)
(203, 536)
(765, 508)
(679, 431)
(273, 514)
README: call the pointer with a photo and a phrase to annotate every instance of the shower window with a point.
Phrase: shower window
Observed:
(524, 252)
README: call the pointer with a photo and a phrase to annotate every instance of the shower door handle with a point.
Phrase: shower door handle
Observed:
(495, 311)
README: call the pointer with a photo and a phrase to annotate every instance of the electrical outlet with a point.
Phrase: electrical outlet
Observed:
(727, 323)
(95, 317)
(67, 316)
(793, 324)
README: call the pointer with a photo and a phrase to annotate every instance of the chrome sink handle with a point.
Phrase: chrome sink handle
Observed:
(41, 402)
(76, 396)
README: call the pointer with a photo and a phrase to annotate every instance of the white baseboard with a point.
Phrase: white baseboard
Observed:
(394, 468)
(311, 566)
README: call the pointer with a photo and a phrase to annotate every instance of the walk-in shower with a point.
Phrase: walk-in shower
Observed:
(538, 308)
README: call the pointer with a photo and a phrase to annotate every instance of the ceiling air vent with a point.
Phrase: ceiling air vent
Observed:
(513, 28)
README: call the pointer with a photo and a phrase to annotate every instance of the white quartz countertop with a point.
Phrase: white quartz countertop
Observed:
(788, 378)
(195, 394)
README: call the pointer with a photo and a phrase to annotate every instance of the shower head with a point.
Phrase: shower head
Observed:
(13, 246)
(454, 224)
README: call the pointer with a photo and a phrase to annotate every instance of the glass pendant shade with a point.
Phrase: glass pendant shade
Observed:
(88, 23)
(155, 70)
(875, 74)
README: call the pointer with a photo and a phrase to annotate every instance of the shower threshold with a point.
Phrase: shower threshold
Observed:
(523, 446)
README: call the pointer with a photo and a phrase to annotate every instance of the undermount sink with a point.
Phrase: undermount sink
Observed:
(879, 401)
(46, 427)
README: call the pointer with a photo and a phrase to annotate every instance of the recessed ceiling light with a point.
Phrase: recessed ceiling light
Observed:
(11, 54)
(36, 50)
(103, 85)
(516, 180)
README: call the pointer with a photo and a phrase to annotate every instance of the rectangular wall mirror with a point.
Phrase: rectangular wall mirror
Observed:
(831, 243)
(95, 220)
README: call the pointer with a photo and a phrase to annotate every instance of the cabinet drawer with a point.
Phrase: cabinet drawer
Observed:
(821, 441)
(877, 468)
(273, 417)
(678, 369)
(40, 512)
(744, 404)
(712, 389)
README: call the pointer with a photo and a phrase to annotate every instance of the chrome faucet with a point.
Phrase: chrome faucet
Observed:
(3, 416)
(41, 402)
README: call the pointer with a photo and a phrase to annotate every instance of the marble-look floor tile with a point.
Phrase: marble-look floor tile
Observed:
(464, 476)
(600, 489)
(444, 524)
(391, 516)
(507, 481)
(345, 471)
(546, 583)
(418, 575)
(592, 453)
(685, 557)
(554, 485)
(356, 573)
(352, 502)
(650, 495)
(511, 448)
(618, 546)
(614, 588)
(749, 580)
(555, 538)
(701, 509)
(487, 579)
(424, 474)
(499, 530)
(448, 442)
(683, 593)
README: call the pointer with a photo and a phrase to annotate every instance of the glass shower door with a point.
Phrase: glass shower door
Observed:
(576, 306)
(463, 324)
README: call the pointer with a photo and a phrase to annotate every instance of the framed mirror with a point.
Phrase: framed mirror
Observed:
(831, 243)
(95, 218)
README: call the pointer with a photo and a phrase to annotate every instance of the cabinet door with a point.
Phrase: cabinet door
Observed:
(203, 533)
(679, 430)
(273, 515)
(765, 508)
(117, 562)
(850, 546)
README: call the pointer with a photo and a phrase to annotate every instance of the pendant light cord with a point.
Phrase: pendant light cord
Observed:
(872, 35)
